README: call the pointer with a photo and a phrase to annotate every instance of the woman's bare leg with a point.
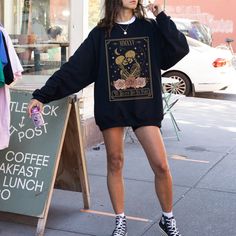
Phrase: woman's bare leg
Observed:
(113, 139)
(152, 143)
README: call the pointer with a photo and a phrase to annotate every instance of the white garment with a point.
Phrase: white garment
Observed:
(5, 93)
(15, 62)
(127, 22)
(4, 117)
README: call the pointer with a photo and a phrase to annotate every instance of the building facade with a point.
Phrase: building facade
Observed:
(218, 15)
(46, 33)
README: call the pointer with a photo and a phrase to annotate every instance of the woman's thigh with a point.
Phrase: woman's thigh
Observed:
(151, 140)
(113, 140)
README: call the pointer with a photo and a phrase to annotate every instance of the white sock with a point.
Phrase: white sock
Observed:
(121, 214)
(168, 214)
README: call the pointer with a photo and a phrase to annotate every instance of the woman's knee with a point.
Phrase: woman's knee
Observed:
(115, 162)
(161, 169)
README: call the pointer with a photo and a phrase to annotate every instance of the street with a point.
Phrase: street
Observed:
(203, 167)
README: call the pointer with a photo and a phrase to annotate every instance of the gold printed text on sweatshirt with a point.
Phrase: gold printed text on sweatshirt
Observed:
(129, 69)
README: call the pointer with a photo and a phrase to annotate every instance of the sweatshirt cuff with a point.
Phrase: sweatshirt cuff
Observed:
(36, 95)
(162, 15)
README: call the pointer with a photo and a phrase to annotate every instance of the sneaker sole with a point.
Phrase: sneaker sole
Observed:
(126, 234)
(163, 232)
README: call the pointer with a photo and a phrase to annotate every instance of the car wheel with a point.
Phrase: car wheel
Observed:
(183, 87)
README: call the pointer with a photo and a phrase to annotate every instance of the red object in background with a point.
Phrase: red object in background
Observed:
(219, 62)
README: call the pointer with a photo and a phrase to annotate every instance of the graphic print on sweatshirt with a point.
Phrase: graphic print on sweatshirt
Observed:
(129, 69)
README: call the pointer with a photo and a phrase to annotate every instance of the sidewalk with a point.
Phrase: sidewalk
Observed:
(203, 165)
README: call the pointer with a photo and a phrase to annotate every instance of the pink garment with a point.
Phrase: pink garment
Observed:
(15, 62)
(5, 93)
(4, 117)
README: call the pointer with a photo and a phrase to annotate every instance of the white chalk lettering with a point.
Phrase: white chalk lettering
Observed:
(31, 133)
(50, 110)
(13, 130)
(19, 108)
(15, 169)
(24, 184)
(29, 171)
(27, 158)
(5, 169)
(5, 194)
(36, 172)
(53, 112)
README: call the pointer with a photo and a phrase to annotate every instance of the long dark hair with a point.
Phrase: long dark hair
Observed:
(112, 9)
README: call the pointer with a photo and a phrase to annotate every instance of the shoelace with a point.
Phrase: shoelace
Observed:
(120, 227)
(171, 225)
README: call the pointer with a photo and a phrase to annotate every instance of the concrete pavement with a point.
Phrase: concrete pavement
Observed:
(203, 165)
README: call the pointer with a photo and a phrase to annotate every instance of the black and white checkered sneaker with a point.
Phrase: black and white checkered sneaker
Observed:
(168, 226)
(121, 226)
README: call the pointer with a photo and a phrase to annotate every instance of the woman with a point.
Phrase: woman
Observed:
(123, 55)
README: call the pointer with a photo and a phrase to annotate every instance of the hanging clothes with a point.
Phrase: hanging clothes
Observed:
(4, 109)
(4, 117)
(16, 66)
(3, 60)
(2, 78)
(7, 69)
(10, 70)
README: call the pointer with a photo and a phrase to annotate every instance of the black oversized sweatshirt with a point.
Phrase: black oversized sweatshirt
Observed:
(125, 69)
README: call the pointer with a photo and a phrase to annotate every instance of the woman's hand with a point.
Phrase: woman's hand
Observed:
(34, 103)
(154, 7)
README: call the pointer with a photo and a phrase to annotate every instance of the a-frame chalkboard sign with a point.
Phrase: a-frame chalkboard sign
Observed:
(38, 159)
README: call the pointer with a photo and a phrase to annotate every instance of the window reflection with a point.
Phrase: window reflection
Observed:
(94, 13)
(39, 31)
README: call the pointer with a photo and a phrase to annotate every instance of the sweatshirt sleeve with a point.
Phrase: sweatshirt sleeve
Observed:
(73, 76)
(174, 45)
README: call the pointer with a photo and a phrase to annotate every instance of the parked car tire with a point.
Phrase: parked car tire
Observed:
(184, 86)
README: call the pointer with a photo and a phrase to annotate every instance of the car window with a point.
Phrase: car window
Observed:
(194, 29)
(201, 31)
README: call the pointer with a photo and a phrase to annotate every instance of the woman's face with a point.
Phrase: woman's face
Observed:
(130, 4)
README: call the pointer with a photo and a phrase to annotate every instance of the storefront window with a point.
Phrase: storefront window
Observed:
(39, 31)
(94, 13)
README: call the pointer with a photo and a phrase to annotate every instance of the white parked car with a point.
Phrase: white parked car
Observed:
(194, 29)
(204, 69)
